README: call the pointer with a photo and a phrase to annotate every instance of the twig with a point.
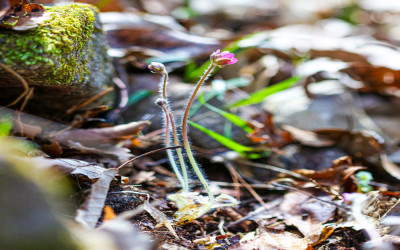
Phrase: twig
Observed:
(21, 79)
(273, 168)
(18, 114)
(88, 101)
(235, 181)
(148, 153)
(310, 195)
(245, 184)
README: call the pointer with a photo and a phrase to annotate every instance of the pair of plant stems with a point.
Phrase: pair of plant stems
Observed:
(218, 59)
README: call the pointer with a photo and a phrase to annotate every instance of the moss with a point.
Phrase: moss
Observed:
(59, 48)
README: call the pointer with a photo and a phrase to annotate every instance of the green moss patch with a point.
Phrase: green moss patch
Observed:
(59, 51)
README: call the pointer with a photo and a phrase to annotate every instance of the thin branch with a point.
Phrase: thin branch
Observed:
(21, 79)
(145, 154)
(88, 101)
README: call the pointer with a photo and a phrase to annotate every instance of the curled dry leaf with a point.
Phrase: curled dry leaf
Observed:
(390, 167)
(161, 218)
(22, 15)
(338, 177)
(90, 211)
(96, 135)
(308, 138)
(121, 154)
(79, 168)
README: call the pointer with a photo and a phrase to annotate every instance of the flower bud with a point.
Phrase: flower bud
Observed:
(161, 102)
(156, 67)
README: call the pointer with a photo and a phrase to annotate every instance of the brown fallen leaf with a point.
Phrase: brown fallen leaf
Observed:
(121, 154)
(326, 232)
(390, 167)
(23, 15)
(89, 213)
(372, 63)
(308, 138)
(54, 149)
(338, 177)
(95, 135)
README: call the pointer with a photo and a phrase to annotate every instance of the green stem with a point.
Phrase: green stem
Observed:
(186, 144)
(169, 151)
(179, 153)
(185, 181)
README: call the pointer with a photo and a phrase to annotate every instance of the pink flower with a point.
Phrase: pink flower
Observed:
(222, 59)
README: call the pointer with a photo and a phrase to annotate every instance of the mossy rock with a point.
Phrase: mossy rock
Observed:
(64, 59)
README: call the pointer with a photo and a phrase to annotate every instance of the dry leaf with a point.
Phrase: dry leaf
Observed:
(275, 240)
(109, 213)
(390, 167)
(97, 135)
(339, 176)
(125, 235)
(121, 154)
(70, 166)
(305, 213)
(4, 7)
(308, 138)
(22, 15)
(90, 211)
(161, 219)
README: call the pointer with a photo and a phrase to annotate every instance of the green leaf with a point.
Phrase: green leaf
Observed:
(221, 139)
(241, 149)
(231, 117)
(138, 96)
(260, 95)
(5, 127)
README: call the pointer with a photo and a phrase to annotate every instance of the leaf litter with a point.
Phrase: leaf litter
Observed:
(313, 139)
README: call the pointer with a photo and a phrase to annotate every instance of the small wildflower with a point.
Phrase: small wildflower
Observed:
(222, 59)
(158, 68)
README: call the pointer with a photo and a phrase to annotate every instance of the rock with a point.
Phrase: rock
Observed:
(64, 59)
(29, 220)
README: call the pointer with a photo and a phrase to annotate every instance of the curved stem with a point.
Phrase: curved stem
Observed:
(196, 168)
(169, 151)
(164, 88)
(168, 113)
(179, 153)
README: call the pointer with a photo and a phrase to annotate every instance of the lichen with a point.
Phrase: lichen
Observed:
(59, 48)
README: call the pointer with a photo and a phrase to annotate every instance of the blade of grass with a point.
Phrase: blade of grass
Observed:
(231, 117)
(260, 95)
(138, 96)
(5, 126)
(237, 147)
